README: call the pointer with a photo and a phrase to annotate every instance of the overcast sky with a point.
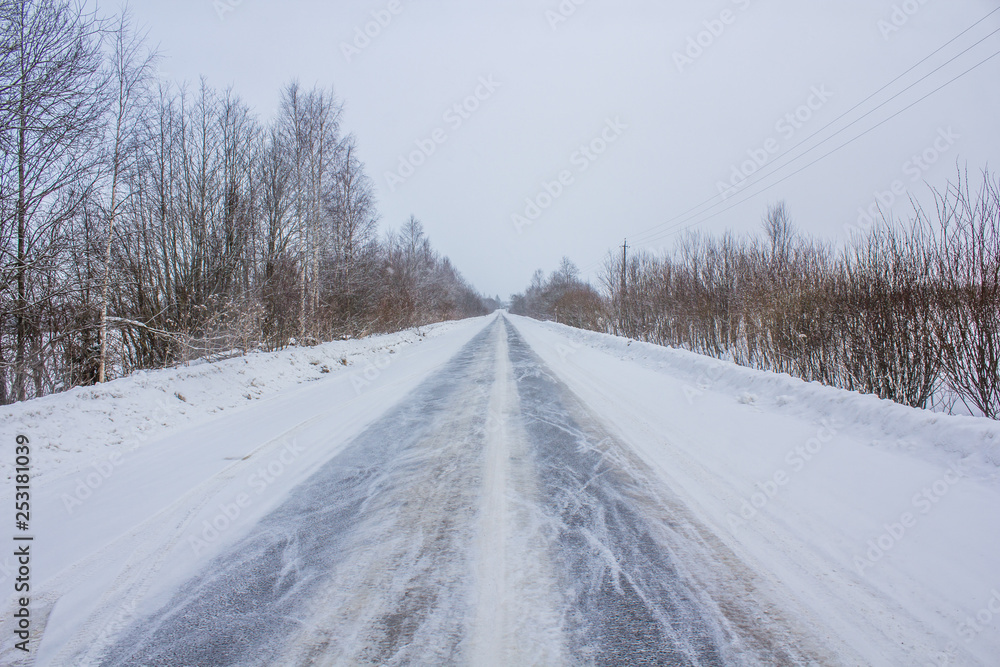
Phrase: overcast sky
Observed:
(663, 118)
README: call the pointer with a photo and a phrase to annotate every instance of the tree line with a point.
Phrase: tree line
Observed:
(145, 224)
(562, 297)
(907, 310)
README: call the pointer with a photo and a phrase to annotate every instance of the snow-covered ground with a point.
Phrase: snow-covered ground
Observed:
(124, 473)
(871, 529)
(879, 523)
(87, 425)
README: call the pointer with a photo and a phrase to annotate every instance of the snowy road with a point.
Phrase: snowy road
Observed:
(485, 519)
(502, 491)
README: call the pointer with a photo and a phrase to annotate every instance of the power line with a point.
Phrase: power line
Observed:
(826, 155)
(774, 166)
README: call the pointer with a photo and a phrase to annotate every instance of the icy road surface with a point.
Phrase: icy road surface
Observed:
(502, 491)
(485, 519)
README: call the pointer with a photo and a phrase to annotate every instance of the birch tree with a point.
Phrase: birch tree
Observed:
(53, 132)
(131, 65)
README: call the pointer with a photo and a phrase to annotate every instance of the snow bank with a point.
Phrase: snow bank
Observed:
(970, 442)
(874, 524)
(71, 430)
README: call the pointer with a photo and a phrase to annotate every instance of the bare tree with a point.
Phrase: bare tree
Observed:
(140, 232)
(891, 314)
(310, 124)
(131, 66)
(55, 98)
(968, 311)
(354, 219)
(562, 297)
(276, 202)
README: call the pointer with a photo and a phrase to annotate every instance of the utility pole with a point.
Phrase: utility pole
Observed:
(622, 310)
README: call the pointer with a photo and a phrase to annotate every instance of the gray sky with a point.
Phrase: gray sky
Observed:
(665, 119)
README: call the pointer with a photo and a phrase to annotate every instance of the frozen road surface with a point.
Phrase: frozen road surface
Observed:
(485, 519)
(486, 515)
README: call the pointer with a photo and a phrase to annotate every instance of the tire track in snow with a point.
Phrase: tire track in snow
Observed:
(149, 544)
(643, 582)
(486, 519)
(517, 601)
(257, 602)
(626, 601)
